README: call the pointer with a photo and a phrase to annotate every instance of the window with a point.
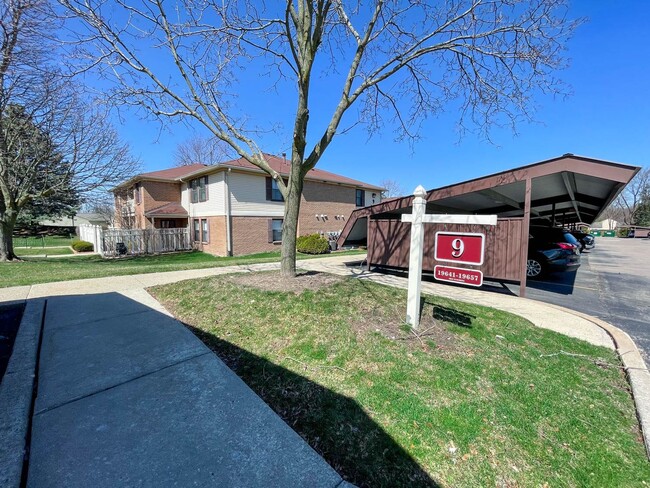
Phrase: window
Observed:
(136, 193)
(275, 230)
(197, 230)
(199, 189)
(272, 191)
(205, 233)
(167, 224)
(361, 198)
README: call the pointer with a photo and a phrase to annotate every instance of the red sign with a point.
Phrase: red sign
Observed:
(460, 247)
(470, 277)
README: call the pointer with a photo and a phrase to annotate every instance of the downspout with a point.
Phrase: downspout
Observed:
(226, 196)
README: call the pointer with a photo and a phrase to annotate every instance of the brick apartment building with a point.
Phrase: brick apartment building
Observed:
(234, 208)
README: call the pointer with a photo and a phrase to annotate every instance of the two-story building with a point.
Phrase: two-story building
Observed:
(235, 208)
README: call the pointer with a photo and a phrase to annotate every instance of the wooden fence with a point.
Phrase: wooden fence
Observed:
(117, 242)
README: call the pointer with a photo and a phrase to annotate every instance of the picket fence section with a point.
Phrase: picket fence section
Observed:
(117, 242)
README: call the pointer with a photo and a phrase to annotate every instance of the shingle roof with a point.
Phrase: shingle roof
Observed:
(174, 173)
(173, 208)
(282, 166)
(278, 164)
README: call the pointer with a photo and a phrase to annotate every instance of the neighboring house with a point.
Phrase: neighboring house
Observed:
(607, 224)
(235, 208)
(78, 219)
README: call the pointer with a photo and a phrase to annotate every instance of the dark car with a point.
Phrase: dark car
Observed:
(587, 241)
(551, 249)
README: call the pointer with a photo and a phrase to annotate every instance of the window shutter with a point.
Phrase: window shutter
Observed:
(270, 228)
(206, 188)
(269, 191)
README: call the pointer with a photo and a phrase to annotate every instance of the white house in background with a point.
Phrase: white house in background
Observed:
(607, 224)
(234, 208)
(78, 219)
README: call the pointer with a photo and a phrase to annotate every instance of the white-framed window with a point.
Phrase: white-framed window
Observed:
(360, 199)
(273, 193)
(196, 227)
(199, 189)
(275, 230)
(205, 231)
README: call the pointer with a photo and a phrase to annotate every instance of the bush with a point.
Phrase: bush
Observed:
(82, 246)
(312, 244)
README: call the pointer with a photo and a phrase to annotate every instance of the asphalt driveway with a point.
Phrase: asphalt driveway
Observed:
(613, 283)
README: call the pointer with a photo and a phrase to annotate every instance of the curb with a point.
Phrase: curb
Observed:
(16, 395)
(636, 370)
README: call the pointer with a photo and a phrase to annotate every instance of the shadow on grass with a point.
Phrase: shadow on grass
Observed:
(462, 319)
(334, 425)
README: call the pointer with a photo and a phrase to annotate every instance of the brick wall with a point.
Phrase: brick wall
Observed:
(325, 199)
(154, 194)
(217, 237)
(157, 193)
(250, 235)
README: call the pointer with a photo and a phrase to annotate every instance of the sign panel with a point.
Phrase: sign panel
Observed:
(470, 277)
(460, 247)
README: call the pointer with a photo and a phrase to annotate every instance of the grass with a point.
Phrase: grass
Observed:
(43, 270)
(485, 399)
(37, 251)
(43, 241)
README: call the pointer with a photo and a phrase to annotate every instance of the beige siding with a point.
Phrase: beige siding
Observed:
(215, 202)
(248, 193)
(370, 200)
(185, 197)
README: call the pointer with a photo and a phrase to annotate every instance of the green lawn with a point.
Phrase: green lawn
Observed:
(482, 398)
(43, 241)
(37, 251)
(43, 270)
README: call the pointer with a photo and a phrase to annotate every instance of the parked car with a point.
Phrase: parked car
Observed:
(587, 241)
(551, 249)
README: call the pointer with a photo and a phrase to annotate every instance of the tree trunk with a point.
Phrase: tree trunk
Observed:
(290, 223)
(7, 223)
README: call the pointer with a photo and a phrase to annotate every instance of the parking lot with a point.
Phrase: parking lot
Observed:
(612, 283)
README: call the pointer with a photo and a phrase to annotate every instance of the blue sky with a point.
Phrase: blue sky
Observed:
(606, 117)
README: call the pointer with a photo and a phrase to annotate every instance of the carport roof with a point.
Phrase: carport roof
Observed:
(565, 190)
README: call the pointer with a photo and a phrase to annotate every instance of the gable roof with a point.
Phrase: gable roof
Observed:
(281, 165)
(172, 209)
(175, 173)
(170, 174)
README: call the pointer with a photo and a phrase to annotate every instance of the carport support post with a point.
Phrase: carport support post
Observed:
(415, 258)
(525, 231)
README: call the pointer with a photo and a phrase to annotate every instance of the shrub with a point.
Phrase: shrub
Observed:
(82, 246)
(312, 244)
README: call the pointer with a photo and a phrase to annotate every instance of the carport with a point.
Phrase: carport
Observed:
(567, 191)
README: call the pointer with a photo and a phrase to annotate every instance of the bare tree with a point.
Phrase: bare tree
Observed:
(51, 142)
(392, 188)
(630, 198)
(395, 60)
(199, 149)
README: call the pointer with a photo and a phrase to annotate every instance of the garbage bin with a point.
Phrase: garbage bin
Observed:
(332, 245)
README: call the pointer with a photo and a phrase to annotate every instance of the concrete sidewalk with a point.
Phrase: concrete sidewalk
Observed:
(127, 396)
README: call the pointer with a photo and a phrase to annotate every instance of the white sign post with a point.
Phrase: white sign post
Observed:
(417, 219)
(415, 256)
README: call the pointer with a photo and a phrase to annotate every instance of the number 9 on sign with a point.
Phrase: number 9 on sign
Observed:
(458, 247)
